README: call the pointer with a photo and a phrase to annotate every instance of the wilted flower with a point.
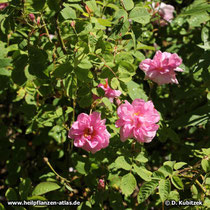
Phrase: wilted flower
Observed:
(89, 132)
(138, 120)
(161, 69)
(109, 92)
(3, 5)
(165, 11)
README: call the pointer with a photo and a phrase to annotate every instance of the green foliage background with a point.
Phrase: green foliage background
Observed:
(48, 73)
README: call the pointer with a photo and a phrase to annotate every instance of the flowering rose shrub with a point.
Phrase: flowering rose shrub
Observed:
(104, 104)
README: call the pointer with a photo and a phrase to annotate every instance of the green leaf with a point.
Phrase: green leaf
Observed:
(179, 165)
(140, 15)
(169, 163)
(45, 187)
(4, 62)
(177, 182)
(135, 91)
(205, 165)
(54, 4)
(141, 158)
(164, 189)
(84, 74)
(5, 72)
(86, 100)
(38, 4)
(158, 175)
(146, 190)
(143, 172)
(197, 8)
(36, 197)
(128, 4)
(24, 188)
(62, 70)
(104, 22)
(11, 195)
(115, 83)
(2, 207)
(174, 195)
(80, 167)
(121, 162)
(68, 13)
(166, 170)
(58, 133)
(128, 184)
(124, 56)
(107, 103)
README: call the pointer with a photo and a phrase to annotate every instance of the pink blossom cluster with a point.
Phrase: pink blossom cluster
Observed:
(109, 92)
(138, 120)
(164, 10)
(161, 69)
(3, 5)
(89, 132)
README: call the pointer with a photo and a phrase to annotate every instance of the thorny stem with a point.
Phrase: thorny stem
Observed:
(201, 186)
(196, 181)
(59, 36)
(46, 29)
(48, 163)
(105, 64)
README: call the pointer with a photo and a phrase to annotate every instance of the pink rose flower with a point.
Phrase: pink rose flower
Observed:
(89, 132)
(161, 69)
(138, 120)
(3, 5)
(109, 92)
(165, 11)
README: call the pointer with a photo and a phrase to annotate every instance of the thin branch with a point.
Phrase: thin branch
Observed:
(59, 36)
(48, 163)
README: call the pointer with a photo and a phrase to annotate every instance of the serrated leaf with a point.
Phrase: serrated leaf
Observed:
(141, 158)
(135, 91)
(68, 13)
(62, 70)
(104, 22)
(174, 195)
(121, 162)
(45, 187)
(115, 83)
(128, 4)
(140, 15)
(166, 170)
(158, 175)
(164, 189)
(177, 182)
(107, 103)
(169, 163)
(143, 172)
(179, 165)
(128, 184)
(146, 190)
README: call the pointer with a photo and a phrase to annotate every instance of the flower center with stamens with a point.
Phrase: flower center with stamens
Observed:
(89, 132)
